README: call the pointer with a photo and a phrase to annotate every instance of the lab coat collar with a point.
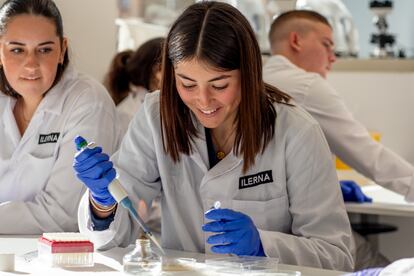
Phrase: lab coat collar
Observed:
(279, 59)
(11, 125)
(53, 102)
(200, 155)
(9, 121)
(227, 164)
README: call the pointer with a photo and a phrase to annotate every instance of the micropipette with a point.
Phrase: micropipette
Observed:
(119, 194)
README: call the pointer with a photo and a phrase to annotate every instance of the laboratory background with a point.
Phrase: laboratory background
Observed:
(374, 71)
(377, 87)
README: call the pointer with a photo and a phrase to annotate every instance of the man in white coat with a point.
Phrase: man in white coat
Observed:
(302, 55)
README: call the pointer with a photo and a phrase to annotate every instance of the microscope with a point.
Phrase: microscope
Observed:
(382, 40)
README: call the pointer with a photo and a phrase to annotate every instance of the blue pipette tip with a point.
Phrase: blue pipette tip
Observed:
(80, 142)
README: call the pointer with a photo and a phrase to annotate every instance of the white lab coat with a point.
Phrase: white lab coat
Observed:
(403, 267)
(347, 138)
(38, 188)
(302, 200)
(127, 108)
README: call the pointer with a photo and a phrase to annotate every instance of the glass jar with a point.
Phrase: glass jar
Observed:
(141, 260)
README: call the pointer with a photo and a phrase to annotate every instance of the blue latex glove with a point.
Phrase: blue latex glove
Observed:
(95, 170)
(238, 234)
(352, 192)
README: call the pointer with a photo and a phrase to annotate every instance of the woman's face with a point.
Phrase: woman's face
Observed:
(212, 95)
(30, 51)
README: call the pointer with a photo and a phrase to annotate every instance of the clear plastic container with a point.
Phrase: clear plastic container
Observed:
(179, 265)
(243, 265)
(141, 260)
(287, 273)
(65, 250)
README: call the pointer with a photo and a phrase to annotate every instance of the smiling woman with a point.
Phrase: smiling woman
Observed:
(213, 96)
(44, 103)
(274, 175)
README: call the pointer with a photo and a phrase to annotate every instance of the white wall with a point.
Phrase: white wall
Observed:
(384, 102)
(90, 28)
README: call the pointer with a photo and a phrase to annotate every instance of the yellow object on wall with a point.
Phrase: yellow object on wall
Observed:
(342, 166)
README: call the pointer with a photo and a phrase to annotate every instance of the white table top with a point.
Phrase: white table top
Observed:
(385, 202)
(106, 263)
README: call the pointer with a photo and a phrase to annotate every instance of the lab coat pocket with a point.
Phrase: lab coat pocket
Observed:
(33, 174)
(271, 215)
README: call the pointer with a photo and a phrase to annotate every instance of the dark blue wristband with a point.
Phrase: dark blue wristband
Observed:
(101, 224)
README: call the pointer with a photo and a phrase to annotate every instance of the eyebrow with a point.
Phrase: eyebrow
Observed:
(23, 44)
(330, 41)
(222, 77)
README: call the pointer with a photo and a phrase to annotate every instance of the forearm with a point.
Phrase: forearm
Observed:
(121, 231)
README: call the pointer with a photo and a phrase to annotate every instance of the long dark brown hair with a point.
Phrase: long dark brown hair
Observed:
(45, 8)
(219, 35)
(134, 67)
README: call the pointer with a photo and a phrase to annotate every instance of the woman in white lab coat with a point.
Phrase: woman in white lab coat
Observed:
(44, 103)
(216, 132)
(132, 75)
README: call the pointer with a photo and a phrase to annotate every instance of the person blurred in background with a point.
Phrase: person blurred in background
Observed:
(132, 74)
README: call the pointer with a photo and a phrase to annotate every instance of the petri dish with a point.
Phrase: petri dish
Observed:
(287, 273)
(169, 264)
(243, 264)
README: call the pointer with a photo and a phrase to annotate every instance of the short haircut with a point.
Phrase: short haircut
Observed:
(290, 21)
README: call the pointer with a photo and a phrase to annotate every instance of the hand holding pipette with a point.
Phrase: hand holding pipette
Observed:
(95, 170)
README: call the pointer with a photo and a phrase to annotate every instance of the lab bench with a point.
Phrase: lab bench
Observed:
(106, 262)
(387, 209)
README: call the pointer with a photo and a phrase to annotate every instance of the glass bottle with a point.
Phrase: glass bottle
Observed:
(141, 260)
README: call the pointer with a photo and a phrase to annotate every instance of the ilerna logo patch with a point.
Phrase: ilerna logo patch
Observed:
(255, 179)
(48, 138)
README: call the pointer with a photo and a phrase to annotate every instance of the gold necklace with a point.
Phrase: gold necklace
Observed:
(220, 154)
